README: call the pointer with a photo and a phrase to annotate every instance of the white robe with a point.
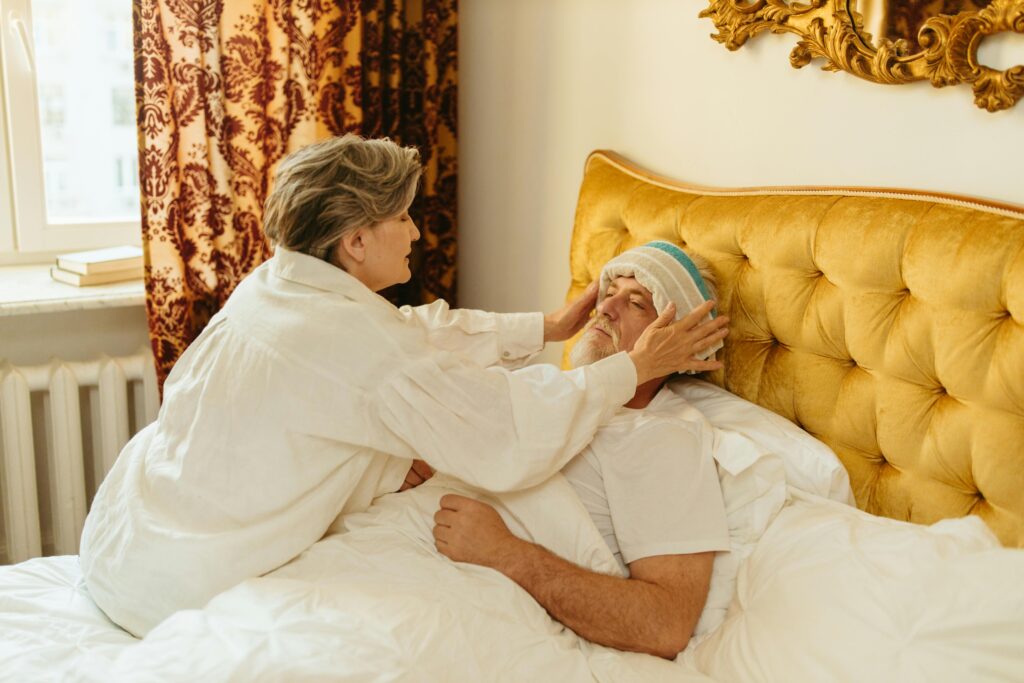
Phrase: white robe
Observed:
(305, 398)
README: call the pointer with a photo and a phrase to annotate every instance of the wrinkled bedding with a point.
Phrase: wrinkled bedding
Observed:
(373, 601)
(830, 593)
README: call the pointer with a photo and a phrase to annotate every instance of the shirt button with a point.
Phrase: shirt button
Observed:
(507, 354)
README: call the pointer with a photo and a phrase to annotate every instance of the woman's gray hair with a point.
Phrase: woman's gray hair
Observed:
(330, 188)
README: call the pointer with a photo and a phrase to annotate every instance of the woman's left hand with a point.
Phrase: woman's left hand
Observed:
(418, 473)
(570, 319)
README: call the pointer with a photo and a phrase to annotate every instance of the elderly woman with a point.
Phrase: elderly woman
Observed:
(309, 395)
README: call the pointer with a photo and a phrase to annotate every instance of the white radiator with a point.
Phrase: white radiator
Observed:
(62, 426)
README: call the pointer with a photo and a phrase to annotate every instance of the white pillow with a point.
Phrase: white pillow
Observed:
(810, 465)
(835, 594)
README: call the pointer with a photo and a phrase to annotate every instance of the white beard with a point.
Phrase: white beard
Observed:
(592, 347)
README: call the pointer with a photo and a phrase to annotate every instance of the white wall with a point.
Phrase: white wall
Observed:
(544, 82)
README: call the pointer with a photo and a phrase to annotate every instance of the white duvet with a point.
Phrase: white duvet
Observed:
(830, 594)
(373, 602)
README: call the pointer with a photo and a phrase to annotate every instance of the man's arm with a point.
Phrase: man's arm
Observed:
(654, 611)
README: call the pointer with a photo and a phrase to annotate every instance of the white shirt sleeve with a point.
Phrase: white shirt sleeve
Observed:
(492, 428)
(664, 495)
(506, 339)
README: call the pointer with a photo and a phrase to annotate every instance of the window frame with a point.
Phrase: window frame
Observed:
(30, 234)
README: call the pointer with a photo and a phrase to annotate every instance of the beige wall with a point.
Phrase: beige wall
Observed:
(544, 82)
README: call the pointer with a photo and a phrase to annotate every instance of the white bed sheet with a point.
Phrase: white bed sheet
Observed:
(817, 601)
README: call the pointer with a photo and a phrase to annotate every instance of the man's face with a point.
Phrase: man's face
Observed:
(621, 318)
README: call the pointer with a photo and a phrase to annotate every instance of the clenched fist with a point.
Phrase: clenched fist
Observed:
(466, 530)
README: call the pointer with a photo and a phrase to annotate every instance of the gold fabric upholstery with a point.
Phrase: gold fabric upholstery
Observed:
(890, 328)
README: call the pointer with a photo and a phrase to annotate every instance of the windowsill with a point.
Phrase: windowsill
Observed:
(25, 290)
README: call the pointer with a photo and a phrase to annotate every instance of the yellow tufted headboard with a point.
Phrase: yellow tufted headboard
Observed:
(888, 324)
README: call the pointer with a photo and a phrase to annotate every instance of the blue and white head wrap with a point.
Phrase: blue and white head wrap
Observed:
(668, 274)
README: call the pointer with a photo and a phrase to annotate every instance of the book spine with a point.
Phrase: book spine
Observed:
(72, 267)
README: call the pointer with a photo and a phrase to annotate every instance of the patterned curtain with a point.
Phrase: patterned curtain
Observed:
(409, 94)
(226, 88)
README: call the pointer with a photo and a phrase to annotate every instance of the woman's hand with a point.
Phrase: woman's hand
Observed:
(666, 347)
(418, 473)
(570, 319)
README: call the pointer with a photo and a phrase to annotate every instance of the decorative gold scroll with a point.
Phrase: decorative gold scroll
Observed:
(830, 31)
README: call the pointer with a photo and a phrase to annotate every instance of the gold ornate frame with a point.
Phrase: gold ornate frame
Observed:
(827, 31)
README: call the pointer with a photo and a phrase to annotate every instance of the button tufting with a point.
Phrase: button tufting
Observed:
(979, 501)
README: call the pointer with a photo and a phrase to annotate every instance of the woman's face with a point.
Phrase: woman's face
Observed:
(388, 245)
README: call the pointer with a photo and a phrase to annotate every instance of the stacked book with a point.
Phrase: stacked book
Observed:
(98, 267)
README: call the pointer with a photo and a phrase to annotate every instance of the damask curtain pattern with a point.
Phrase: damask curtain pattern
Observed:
(409, 93)
(226, 88)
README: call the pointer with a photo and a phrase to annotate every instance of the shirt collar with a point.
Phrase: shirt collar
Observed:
(310, 271)
(663, 398)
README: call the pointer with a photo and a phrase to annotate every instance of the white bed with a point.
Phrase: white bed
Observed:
(378, 603)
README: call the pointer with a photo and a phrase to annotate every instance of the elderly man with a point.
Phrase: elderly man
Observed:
(647, 480)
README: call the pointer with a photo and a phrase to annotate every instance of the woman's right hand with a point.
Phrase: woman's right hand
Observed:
(666, 347)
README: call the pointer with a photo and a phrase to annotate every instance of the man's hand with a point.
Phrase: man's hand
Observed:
(570, 319)
(418, 473)
(666, 347)
(466, 530)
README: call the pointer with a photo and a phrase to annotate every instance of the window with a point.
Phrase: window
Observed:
(51, 101)
(69, 130)
(123, 107)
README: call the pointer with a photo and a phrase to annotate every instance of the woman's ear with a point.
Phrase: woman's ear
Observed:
(352, 247)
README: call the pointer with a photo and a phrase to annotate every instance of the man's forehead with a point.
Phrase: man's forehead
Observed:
(629, 285)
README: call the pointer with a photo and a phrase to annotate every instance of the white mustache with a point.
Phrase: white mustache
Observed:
(601, 323)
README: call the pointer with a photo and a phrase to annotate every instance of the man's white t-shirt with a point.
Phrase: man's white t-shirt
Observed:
(649, 482)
